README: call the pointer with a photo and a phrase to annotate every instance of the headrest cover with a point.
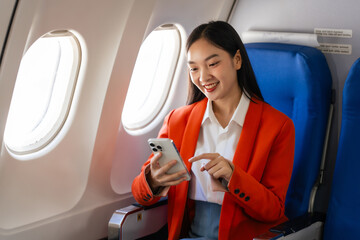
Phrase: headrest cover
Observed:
(305, 39)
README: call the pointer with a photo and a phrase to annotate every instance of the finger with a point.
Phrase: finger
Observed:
(216, 161)
(167, 166)
(209, 156)
(171, 177)
(160, 178)
(155, 159)
(215, 168)
(211, 164)
(222, 173)
(175, 182)
(222, 170)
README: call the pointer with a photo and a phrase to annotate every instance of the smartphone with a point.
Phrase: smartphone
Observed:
(169, 152)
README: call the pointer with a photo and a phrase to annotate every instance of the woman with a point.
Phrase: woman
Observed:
(239, 149)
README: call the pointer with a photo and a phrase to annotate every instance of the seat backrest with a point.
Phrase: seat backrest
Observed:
(343, 215)
(296, 80)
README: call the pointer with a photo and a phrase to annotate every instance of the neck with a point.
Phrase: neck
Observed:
(224, 110)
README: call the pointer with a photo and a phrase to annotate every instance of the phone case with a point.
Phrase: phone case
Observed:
(169, 152)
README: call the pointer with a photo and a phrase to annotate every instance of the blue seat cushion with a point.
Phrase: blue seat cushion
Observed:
(343, 216)
(296, 80)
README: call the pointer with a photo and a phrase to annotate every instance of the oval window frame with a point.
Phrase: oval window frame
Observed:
(146, 123)
(39, 141)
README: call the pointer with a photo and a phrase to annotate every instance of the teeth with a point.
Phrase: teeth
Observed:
(210, 85)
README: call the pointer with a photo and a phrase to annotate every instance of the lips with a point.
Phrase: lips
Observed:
(210, 87)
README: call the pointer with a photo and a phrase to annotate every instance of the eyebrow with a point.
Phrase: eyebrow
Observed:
(206, 59)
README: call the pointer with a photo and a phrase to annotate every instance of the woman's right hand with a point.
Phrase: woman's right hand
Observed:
(157, 177)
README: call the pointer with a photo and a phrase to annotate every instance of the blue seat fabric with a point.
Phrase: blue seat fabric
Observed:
(343, 215)
(296, 80)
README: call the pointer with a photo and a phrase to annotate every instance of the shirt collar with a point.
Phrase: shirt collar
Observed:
(238, 116)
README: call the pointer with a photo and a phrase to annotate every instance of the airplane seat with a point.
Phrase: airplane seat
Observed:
(296, 80)
(342, 220)
(342, 217)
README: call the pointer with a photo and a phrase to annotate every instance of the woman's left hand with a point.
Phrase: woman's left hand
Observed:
(217, 167)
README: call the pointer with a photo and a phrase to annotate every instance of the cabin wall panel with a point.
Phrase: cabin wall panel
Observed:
(39, 188)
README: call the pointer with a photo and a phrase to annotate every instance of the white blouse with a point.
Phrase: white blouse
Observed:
(213, 138)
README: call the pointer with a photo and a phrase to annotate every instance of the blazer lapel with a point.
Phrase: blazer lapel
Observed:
(248, 135)
(242, 159)
(191, 132)
(179, 192)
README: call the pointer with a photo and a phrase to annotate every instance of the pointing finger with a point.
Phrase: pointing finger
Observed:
(209, 156)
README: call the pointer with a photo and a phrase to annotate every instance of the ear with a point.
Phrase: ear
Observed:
(237, 60)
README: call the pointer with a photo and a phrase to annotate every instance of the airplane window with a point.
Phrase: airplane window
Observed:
(43, 92)
(152, 77)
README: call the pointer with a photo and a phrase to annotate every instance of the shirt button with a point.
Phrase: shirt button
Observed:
(247, 199)
(242, 195)
(236, 191)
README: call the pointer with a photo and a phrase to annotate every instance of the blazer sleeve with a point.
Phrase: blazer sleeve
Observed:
(140, 187)
(264, 199)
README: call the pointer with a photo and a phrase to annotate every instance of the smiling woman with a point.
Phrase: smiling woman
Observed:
(213, 71)
(230, 139)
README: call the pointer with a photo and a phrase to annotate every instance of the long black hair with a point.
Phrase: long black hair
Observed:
(224, 36)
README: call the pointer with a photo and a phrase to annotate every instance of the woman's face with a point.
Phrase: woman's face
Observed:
(213, 70)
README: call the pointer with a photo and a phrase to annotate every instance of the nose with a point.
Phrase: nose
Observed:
(204, 75)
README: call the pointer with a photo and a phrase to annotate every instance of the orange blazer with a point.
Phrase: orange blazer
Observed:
(257, 189)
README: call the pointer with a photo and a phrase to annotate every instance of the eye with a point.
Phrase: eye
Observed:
(214, 64)
(193, 69)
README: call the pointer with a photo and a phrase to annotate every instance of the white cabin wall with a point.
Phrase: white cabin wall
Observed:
(303, 16)
(47, 194)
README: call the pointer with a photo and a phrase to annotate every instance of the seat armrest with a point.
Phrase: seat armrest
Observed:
(298, 223)
(137, 221)
(309, 224)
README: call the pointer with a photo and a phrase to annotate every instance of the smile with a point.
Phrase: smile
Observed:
(211, 87)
